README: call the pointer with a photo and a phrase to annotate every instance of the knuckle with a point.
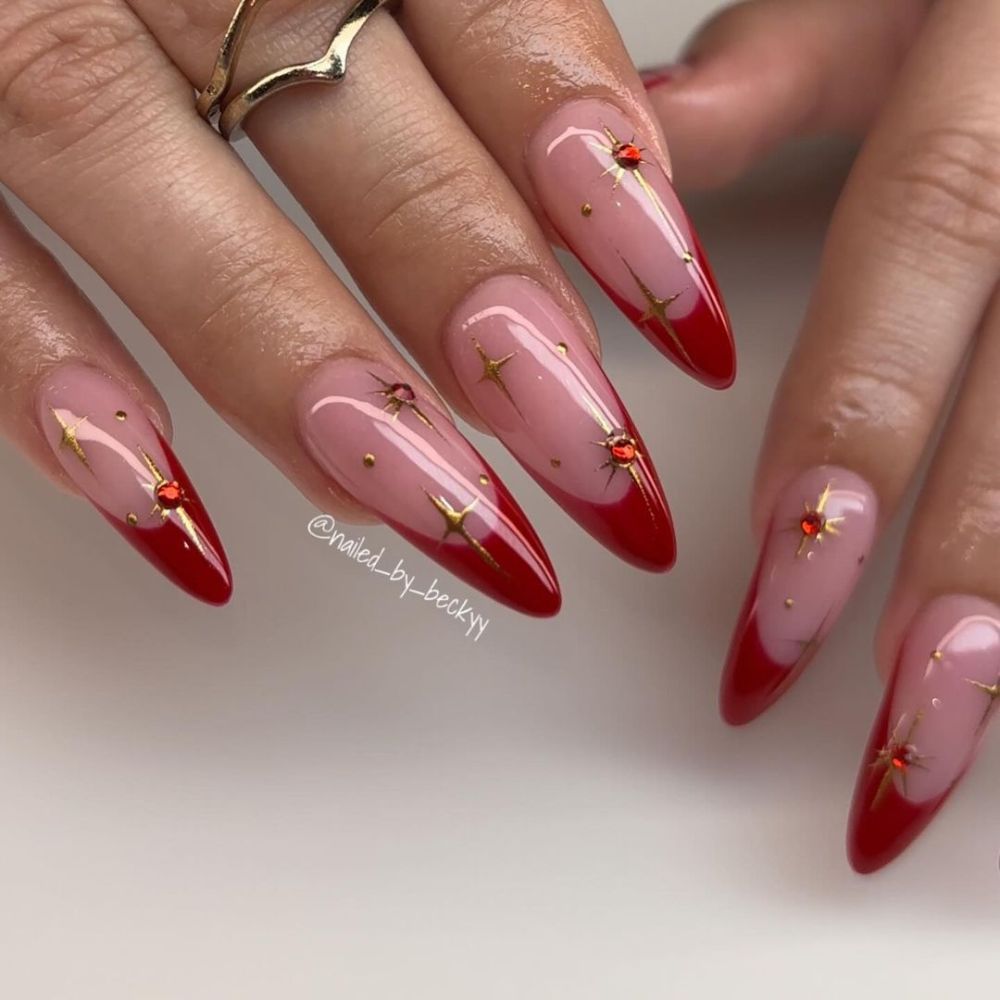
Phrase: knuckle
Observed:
(61, 66)
(947, 187)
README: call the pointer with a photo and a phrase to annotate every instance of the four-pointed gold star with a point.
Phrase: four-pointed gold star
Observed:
(398, 395)
(493, 371)
(814, 525)
(69, 438)
(656, 308)
(897, 757)
(454, 521)
(190, 529)
(992, 691)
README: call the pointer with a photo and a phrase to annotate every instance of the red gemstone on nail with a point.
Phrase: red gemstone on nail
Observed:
(628, 155)
(403, 391)
(812, 524)
(170, 495)
(623, 451)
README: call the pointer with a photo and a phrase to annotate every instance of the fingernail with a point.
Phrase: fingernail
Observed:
(660, 76)
(119, 461)
(398, 454)
(934, 713)
(608, 195)
(533, 379)
(821, 534)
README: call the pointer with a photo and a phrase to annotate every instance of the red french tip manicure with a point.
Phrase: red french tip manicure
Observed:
(185, 547)
(937, 706)
(821, 533)
(612, 201)
(533, 378)
(112, 452)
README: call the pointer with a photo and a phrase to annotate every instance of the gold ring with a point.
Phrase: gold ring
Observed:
(328, 68)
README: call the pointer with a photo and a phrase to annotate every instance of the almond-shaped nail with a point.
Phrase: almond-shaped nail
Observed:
(398, 454)
(532, 378)
(608, 195)
(936, 708)
(821, 533)
(661, 76)
(120, 462)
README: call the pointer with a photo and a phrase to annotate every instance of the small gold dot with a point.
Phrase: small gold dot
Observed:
(587, 210)
(789, 603)
(556, 463)
(133, 519)
(484, 479)
(369, 460)
(562, 348)
(688, 257)
(121, 415)
(937, 655)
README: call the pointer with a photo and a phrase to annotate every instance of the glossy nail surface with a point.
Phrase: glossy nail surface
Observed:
(936, 708)
(820, 535)
(120, 462)
(533, 379)
(614, 206)
(398, 454)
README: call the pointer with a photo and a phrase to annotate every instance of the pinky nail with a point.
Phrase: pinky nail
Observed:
(533, 379)
(606, 192)
(116, 457)
(821, 533)
(396, 452)
(936, 708)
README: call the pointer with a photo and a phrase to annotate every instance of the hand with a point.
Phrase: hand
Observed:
(908, 289)
(464, 135)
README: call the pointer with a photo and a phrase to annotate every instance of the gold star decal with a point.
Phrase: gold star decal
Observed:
(454, 522)
(623, 453)
(992, 691)
(398, 395)
(69, 438)
(814, 525)
(493, 372)
(656, 308)
(182, 515)
(897, 757)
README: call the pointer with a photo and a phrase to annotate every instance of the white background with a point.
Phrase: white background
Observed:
(322, 791)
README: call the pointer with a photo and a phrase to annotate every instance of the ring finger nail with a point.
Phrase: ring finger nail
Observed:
(402, 457)
(119, 461)
(532, 378)
(935, 711)
(821, 533)
(612, 202)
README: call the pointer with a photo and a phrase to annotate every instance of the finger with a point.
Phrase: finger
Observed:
(554, 80)
(449, 255)
(75, 402)
(941, 629)
(910, 264)
(766, 71)
(98, 135)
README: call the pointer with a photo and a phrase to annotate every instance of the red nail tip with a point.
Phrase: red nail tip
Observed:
(187, 550)
(882, 826)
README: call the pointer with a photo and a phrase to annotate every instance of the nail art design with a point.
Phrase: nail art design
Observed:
(820, 536)
(942, 695)
(614, 205)
(400, 455)
(533, 379)
(120, 462)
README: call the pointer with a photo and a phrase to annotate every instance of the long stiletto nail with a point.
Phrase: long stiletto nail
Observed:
(121, 463)
(609, 197)
(660, 76)
(532, 378)
(397, 453)
(942, 694)
(821, 533)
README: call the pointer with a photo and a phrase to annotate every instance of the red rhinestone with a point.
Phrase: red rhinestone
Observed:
(623, 449)
(170, 495)
(403, 391)
(629, 155)
(901, 758)
(812, 524)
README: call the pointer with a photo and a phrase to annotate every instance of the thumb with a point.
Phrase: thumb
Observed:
(765, 71)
